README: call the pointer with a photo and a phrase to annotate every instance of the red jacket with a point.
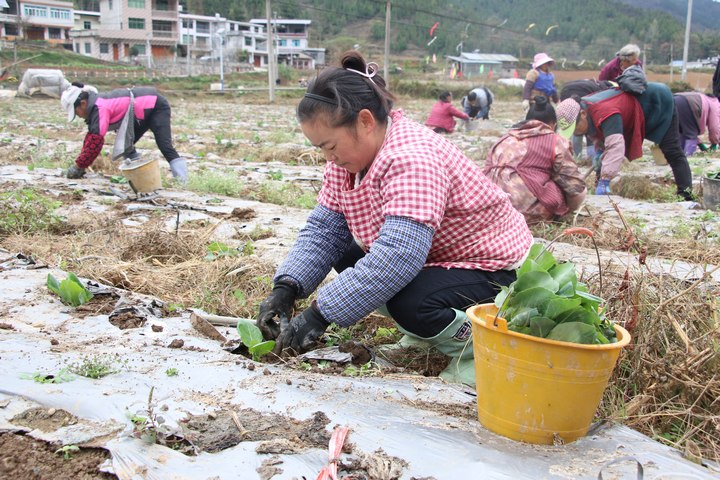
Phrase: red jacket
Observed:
(442, 114)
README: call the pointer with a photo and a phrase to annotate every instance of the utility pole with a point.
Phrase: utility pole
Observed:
(386, 69)
(688, 23)
(271, 53)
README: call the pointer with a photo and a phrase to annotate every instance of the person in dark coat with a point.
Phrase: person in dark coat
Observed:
(577, 89)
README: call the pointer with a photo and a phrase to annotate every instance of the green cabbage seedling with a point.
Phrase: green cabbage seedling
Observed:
(252, 338)
(71, 290)
(546, 300)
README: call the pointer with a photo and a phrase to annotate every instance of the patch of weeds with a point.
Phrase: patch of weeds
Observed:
(62, 376)
(219, 183)
(67, 451)
(218, 249)
(257, 233)
(365, 370)
(27, 211)
(285, 194)
(96, 366)
(336, 335)
(172, 372)
(386, 335)
(240, 297)
(281, 136)
(71, 291)
(275, 175)
(252, 338)
(147, 428)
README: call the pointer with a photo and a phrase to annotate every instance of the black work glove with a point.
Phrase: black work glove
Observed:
(302, 331)
(275, 310)
(75, 172)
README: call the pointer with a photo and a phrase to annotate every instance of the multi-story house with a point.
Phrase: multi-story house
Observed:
(49, 20)
(129, 28)
(290, 38)
(199, 34)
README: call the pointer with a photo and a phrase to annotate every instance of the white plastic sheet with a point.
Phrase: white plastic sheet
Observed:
(400, 414)
(42, 81)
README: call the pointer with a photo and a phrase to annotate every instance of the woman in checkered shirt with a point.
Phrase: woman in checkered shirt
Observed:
(410, 224)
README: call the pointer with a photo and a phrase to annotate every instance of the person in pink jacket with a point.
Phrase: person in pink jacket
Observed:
(441, 118)
(697, 113)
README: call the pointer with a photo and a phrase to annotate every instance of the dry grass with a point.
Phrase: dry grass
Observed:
(667, 382)
(152, 261)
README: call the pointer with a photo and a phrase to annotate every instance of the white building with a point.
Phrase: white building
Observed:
(48, 20)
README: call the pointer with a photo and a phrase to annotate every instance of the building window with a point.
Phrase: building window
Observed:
(248, 41)
(282, 43)
(11, 30)
(136, 23)
(139, 48)
(136, 3)
(104, 48)
(162, 28)
(87, 25)
(60, 14)
(186, 40)
(202, 27)
(296, 43)
(77, 48)
(110, 5)
(187, 23)
(33, 11)
(88, 48)
(163, 5)
(55, 33)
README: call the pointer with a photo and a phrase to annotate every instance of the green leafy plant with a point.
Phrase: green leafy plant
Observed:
(26, 211)
(367, 369)
(62, 376)
(252, 338)
(67, 451)
(218, 249)
(71, 290)
(547, 300)
(172, 372)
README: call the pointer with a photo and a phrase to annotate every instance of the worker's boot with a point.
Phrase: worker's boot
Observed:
(456, 342)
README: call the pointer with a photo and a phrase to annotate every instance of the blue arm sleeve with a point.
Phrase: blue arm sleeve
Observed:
(395, 259)
(320, 244)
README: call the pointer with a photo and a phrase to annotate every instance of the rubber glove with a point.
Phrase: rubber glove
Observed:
(275, 310)
(302, 332)
(179, 169)
(75, 172)
(603, 187)
(526, 105)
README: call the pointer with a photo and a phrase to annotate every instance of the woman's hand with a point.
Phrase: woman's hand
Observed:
(275, 310)
(302, 332)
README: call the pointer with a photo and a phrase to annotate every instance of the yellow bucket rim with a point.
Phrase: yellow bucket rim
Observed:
(474, 314)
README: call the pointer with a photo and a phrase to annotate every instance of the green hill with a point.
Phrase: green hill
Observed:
(571, 29)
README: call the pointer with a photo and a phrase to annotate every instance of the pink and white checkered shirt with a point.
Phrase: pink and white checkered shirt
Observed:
(421, 175)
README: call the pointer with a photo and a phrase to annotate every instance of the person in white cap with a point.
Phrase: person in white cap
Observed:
(627, 56)
(540, 81)
(131, 112)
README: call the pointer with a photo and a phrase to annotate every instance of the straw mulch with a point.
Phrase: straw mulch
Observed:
(153, 261)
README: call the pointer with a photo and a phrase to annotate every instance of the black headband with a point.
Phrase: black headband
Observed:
(322, 98)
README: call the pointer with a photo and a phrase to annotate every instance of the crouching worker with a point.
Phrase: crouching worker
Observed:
(130, 112)
(405, 218)
(535, 166)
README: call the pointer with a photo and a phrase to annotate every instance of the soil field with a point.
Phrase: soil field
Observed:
(150, 379)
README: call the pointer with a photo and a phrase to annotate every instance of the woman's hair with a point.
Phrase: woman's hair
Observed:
(542, 110)
(444, 96)
(629, 52)
(84, 95)
(340, 93)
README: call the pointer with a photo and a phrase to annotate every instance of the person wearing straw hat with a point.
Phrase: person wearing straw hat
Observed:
(620, 121)
(409, 222)
(540, 81)
(130, 112)
(535, 166)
